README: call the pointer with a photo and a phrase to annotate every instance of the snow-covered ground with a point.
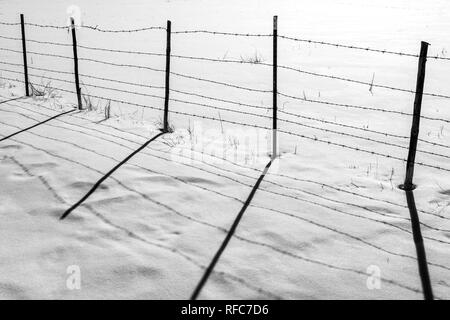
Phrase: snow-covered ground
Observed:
(325, 219)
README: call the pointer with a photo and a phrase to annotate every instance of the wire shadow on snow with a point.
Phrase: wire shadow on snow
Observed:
(137, 236)
(99, 182)
(204, 188)
(246, 184)
(224, 176)
(35, 125)
(11, 99)
(227, 196)
(280, 251)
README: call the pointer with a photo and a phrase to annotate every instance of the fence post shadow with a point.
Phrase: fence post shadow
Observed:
(420, 248)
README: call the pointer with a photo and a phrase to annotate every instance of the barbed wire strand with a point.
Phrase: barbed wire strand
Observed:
(222, 33)
(310, 118)
(358, 107)
(360, 150)
(314, 139)
(159, 54)
(9, 23)
(221, 83)
(296, 39)
(176, 74)
(244, 113)
(243, 61)
(96, 28)
(268, 108)
(143, 85)
(308, 126)
(329, 76)
(90, 95)
(149, 86)
(170, 99)
(36, 68)
(48, 26)
(122, 82)
(254, 126)
(253, 106)
(38, 53)
(37, 41)
(84, 75)
(237, 61)
(122, 51)
(263, 116)
(359, 128)
(10, 38)
(386, 134)
(144, 106)
(310, 138)
(367, 49)
(121, 64)
(362, 138)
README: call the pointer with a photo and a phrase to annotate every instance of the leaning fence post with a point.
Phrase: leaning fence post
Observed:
(24, 50)
(166, 99)
(274, 90)
(408, 184)
(75, 59)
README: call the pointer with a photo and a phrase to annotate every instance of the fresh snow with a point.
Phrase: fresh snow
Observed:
(325, 219)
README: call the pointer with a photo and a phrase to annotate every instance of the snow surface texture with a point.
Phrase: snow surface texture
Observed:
(324, 219)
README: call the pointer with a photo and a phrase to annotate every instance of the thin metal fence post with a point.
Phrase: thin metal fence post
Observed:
(275, 90)
(75, 59)
(408, 184)
(24, 50)
(167, 88)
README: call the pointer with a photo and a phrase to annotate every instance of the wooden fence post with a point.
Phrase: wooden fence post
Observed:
(24, 50)
(275, 90)
(167, 88)
(75, 59)
(408, 184)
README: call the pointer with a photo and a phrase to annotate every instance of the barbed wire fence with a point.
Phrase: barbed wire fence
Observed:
(274, 91)
(250, 109)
